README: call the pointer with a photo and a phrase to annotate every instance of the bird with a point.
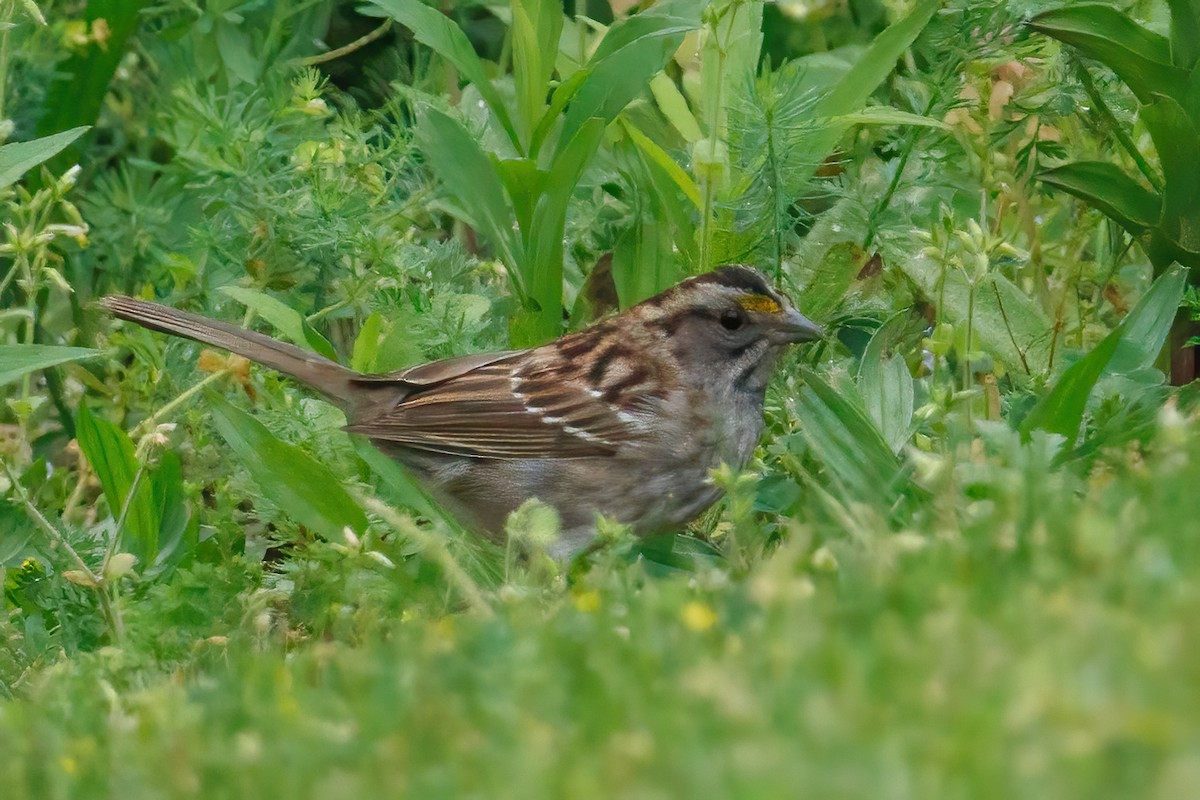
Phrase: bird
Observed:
(624, 419)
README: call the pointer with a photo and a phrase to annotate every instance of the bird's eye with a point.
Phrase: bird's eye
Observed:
(732, 319)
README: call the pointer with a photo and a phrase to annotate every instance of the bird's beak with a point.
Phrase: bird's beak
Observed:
(793, 327)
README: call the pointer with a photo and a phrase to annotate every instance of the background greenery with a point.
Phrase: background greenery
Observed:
(964, 562)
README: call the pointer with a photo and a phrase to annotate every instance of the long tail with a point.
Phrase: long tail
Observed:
(329, 378)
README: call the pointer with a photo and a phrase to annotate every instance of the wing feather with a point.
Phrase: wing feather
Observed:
(497, 411)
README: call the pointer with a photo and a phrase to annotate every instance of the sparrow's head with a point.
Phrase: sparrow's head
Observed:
(729, 324)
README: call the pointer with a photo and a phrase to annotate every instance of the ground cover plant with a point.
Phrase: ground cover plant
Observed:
(963, 562)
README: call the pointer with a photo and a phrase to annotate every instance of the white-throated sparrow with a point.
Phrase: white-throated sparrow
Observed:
(623, 419)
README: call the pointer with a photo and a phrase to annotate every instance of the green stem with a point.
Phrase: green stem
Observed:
(112, 614)
(149, 422)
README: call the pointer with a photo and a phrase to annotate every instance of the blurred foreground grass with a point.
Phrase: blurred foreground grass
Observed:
(1057, 656)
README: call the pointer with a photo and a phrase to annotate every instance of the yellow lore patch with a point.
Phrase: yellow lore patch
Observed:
(760, 303)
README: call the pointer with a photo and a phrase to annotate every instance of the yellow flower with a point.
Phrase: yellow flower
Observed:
(588, 601)
(698, 617)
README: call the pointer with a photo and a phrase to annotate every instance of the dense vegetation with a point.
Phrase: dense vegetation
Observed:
(963, 563)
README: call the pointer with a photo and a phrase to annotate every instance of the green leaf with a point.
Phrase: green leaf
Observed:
(1111, 191)
(549, 220)
(15, 532)
(436, 31)
(855, 88)
(632, 52)
(81, 81)
(17, 360)
(1131, 346)
(852, 91)
(1185, 32)
(1006, 323)
(285, 319)
(536, 25)
(847, 442)
(524, 183)
(1139, 56)
(179, 528)
(471, 176)
(297, 483)
(366, 345)
(110, 451)
(395, 483)
(558, 101)
(886, 115)
(886, 385)
(674, 107)
(1061, 410)
(1176, 138)
(1146, 327)
(18, 158)
(663, 161)
(832, 273)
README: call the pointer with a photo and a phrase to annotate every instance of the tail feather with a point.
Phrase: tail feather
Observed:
(327, 377)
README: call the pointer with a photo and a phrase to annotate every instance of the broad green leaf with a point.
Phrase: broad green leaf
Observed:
(1061, 410)
(885, 115)
(524, 183)
(18, 158)
(1006, 322)
(886, 385)
(179, 528)
(285, 319)
(298, 484)
(1176, 138)
(1131, 346)
(17, 360)
(1185, 32)
(110, 451)
(470, 175)
(438, 32)
(395, 483)
(847, 442)
(641, 260)
(667, 18)
(729, 55)
(563, 94)
(237, 52)
(1145, 328)
(632, 52)
(1139, 56)
(1112, 192)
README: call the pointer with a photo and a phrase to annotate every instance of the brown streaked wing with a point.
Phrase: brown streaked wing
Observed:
(438, 371)
(478, 414)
